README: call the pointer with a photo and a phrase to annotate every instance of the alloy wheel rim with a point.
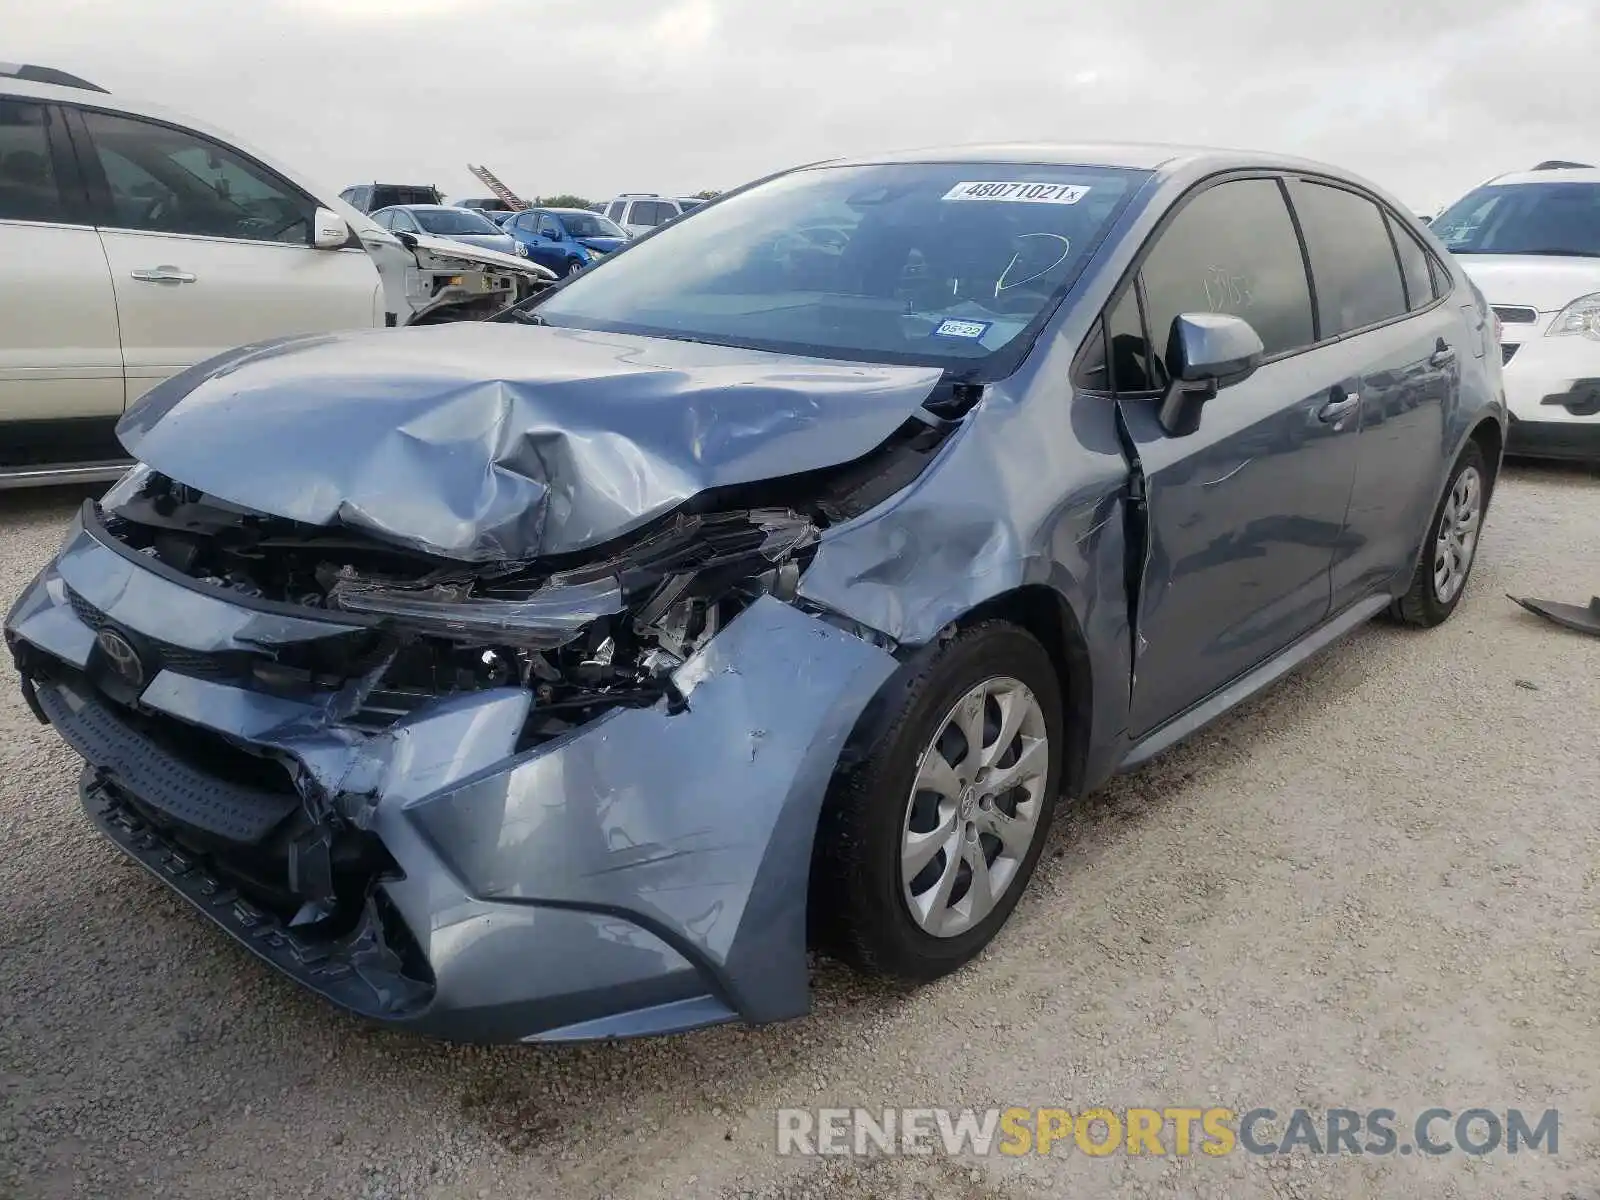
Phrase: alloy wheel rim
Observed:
(974, 807)
(1458, 535)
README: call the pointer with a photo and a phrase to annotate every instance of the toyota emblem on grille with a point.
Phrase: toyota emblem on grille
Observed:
(124, 659)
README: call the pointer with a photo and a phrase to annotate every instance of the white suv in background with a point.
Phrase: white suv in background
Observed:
(640, 212)
(134, 244)
(1531, 242)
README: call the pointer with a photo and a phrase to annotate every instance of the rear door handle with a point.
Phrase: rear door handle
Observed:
(162, 274)
(1339, 407)
(1443, 355)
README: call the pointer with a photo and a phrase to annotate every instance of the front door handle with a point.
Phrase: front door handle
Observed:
(162, 274)
(1444, 354)
(1341, 405)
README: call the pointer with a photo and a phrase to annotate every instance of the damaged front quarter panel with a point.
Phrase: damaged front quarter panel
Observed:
(695, 825)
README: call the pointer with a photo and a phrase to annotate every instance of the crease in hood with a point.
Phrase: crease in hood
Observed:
(487, 442)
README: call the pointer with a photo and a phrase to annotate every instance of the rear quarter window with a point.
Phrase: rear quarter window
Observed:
(1415, 268)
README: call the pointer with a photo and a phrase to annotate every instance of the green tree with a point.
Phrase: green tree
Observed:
(708, 194)
(565, 200)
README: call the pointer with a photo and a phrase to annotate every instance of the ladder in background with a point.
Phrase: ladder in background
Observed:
(502, 193)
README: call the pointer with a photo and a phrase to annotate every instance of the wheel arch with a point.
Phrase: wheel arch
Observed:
(1044, 612)
(1491, 439)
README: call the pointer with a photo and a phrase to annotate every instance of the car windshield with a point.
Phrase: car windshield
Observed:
(453, 221)
(589, 225)
(936, 263)
(1524, 218)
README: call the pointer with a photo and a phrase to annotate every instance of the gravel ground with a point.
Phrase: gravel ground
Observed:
(1375, 885)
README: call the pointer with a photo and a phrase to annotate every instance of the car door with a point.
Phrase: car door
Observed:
(554, 235)
(1244, 512)
(1375, 292)
(60, 354)
(208, 249)
(540, 249)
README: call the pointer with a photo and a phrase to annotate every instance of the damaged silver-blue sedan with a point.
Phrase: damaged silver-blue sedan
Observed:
(569, 675)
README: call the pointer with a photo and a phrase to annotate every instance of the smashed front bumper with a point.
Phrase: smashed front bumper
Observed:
(644, 874)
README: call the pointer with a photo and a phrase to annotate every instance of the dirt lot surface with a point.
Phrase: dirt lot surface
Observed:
(1377, 885)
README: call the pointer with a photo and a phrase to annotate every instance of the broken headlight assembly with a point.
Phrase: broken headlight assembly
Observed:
(588, 632)
(602, 635)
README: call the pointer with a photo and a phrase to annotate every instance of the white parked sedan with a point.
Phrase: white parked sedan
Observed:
(1531, 242)
(134, 244)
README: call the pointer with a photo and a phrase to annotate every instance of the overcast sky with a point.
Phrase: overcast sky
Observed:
(1427, 97)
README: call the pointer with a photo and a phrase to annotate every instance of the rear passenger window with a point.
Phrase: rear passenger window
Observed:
(615, 211)
(1352, 259)
(1232, 249)
(27, 180)
(651, 213)
(1414, 267)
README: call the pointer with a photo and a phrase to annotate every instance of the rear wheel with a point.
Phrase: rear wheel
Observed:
(1451, 546)
(924, 848)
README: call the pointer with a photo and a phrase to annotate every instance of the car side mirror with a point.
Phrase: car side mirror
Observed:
(328, 230)
(1206, 352)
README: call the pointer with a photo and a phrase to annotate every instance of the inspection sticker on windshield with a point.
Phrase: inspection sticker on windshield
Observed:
(968, 330)
(1019, 193)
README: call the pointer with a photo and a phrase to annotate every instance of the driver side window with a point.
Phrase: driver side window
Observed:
(1230, 249)
(169, 180)
(549, 228)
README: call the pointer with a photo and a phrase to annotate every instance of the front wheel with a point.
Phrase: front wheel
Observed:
(1451, 546)
(573, 267)
(925, 847)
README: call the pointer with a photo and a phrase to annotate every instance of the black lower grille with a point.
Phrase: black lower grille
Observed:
(187, 783)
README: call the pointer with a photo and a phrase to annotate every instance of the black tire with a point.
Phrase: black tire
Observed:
(573, 267)
(1422, 606)
(859, 911)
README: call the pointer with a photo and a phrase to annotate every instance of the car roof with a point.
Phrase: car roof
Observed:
(587, 212)
(429, 208)
(1549, 175)
(1160, 157)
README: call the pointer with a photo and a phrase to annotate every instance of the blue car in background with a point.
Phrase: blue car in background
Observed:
(565, 239)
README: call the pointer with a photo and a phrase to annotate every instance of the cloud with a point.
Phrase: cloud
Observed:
(1427, 97)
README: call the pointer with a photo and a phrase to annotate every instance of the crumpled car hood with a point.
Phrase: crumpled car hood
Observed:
(497, 441)
(482, 255)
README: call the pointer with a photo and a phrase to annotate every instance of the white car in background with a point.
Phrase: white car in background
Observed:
(640, 212)
(1531, 243)
(135, 243)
